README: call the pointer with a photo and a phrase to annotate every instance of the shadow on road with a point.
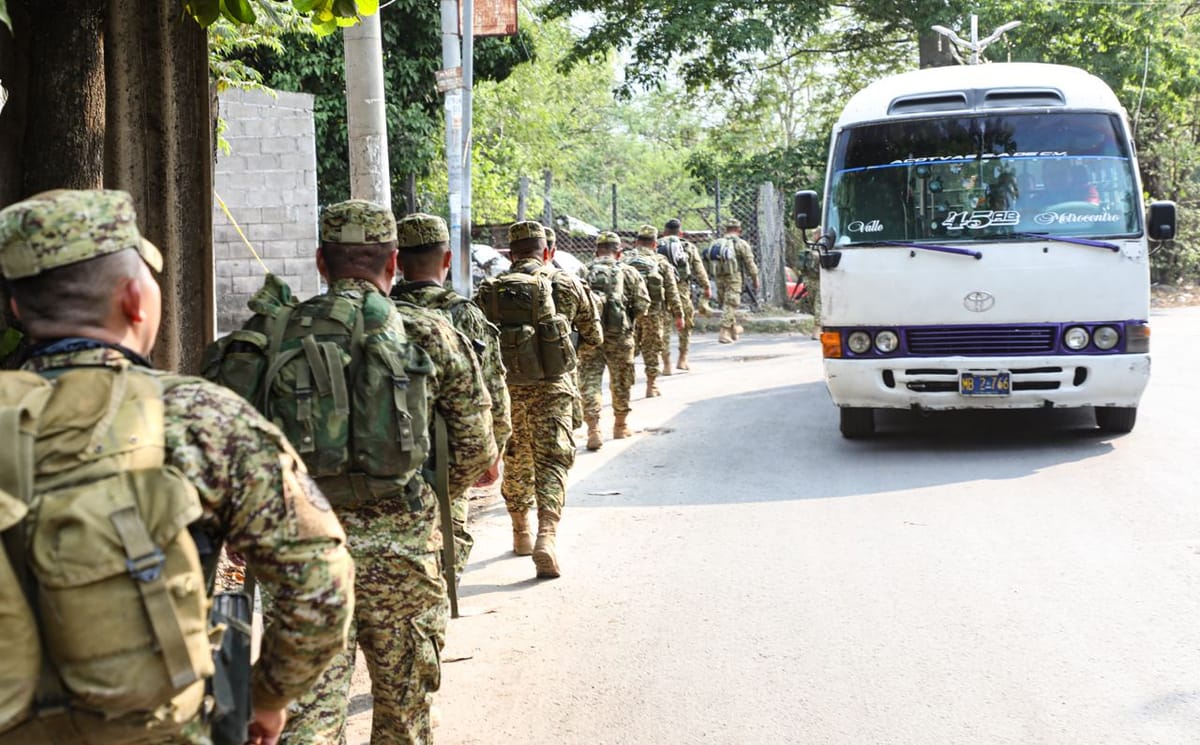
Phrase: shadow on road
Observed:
(783, 444)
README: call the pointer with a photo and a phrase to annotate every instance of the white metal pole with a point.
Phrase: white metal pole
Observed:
(366, 120)
(461, 267)
(452, 60)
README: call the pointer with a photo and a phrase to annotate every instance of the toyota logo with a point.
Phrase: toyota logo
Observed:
(979, 301)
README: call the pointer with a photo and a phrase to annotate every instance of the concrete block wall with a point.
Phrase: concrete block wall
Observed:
(269, 182)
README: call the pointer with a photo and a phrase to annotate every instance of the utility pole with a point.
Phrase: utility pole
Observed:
(450, 82)
(462, 262)
(366, 119)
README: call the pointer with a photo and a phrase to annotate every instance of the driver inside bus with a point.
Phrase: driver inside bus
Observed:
(1063, 181)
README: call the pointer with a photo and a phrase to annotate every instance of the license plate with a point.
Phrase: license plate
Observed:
(991, 383)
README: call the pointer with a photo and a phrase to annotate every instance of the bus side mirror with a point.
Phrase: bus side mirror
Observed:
(1160, 221)
(807, 210)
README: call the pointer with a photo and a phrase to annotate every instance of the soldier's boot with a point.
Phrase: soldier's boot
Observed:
(737, 331)
(652, 387)
(522, 535)
(620, 428)
(594, 441)
(666, 360)
(683, 362)
(544, 558)
(726, 335)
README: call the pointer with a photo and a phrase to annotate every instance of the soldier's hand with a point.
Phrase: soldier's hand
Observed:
(489, 478)
(756, 285)
(679, 323)
(708, 292)
(267, 726)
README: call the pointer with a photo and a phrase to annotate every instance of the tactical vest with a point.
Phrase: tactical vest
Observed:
(722, 256)
(650, 270)
(672, 247)
(104, 608)
(535, 340)
(607, 282)
(338, 376)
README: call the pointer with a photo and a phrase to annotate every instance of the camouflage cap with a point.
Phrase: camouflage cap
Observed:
(419, 229)
(520, 231)
(648, 232)
(550, 236)
(733, 222)
(357, 221)
(608, 238)
(62, 227)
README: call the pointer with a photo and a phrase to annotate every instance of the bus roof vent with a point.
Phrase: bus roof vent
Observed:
(947, 101)
(1008, 97)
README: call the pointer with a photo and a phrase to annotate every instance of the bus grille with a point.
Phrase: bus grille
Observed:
(982, 340)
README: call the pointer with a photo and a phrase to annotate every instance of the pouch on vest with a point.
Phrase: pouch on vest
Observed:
(721, 255)
(648, 267)
(607, 282)
(535, 341)
(116, 575)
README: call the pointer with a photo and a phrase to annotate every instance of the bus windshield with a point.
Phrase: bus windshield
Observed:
(987, 177)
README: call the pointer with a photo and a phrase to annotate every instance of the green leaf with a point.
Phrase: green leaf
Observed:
(345, 9)
(206, 12)
(8, 21)
(368, 7)
(238, 11)
(305, 6)
(323, 28)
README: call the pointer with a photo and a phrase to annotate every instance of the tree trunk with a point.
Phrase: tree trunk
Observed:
(934, 50)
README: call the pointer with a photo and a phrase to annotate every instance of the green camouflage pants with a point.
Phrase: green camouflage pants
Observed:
(542, 448)
(650, 341)
(617, 355)
(689, 320)
(729, 294)
(460, 509)
(400, 614)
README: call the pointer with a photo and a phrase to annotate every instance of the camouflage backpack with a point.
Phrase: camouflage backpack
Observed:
(671, 247)
(607, 282)
(337, 375)
(650, 270)
(97, 544)
(722, 257)
(535, 340)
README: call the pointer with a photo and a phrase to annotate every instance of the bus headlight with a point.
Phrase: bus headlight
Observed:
(1106, 337)
(887, 341)
(1076, 338)
(859, 342)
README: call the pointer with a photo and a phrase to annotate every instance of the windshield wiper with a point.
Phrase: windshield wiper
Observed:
(1067, 239)
(925, 247)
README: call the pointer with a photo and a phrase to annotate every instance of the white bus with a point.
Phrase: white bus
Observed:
(984, 246)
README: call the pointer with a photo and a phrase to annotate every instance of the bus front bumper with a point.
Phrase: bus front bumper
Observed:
(1034, 382)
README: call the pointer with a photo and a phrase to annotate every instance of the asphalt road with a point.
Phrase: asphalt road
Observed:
(739, 573)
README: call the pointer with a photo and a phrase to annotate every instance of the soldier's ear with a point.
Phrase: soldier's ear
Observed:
(447, 257)
(321, 268)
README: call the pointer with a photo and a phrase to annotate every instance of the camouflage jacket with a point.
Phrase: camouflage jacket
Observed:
(637, 297)
(745, 258)
(672, 305)
(469, 320)
(258, 500)
(699, 274)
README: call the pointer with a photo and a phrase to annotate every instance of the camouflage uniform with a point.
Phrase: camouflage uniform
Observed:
(649, 329)
(617, 350)
(255, 494)
(395, 537)
(729, 284)
(468, 319)
(577, 404)
(542, 448)
(700, 276)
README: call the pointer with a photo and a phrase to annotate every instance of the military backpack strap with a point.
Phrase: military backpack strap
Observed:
(442, 487)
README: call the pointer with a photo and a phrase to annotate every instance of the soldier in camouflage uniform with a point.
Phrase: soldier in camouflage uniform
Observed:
(80, 276)
(542, 448)
(728, 273)
(698, 275)
(424, 246)
(393, 526)
(649, 329)
(616, 353)
(577, 407)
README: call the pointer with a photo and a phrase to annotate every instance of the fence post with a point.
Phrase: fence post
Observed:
(771, 245)
(717, 227)
(547, 210)
(614, 206)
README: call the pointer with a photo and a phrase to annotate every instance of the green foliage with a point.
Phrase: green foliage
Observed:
(326, 16)
(4, 17)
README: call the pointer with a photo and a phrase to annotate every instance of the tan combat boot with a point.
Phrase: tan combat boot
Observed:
(522, 535)
(726, 335)
(594, 441)
(652, 387)
(666, 360)
(737, 331)
(620, 428)
(682, 364)
(544, 557)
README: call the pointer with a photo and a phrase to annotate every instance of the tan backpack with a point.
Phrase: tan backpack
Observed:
(104, 610)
